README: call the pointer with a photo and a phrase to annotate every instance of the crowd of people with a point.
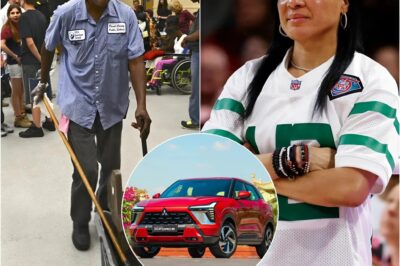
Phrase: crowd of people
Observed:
(22, 36)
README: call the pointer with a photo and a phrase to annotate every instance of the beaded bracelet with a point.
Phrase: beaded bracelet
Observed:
(285, 164)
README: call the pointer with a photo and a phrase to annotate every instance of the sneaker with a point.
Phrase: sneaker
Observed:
(22, 121)
(189, 124)
(48, 124)
(81, 237)
(3, 133)
(32, 132)
(6, 128)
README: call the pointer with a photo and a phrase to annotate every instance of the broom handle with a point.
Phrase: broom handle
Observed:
(86, 182)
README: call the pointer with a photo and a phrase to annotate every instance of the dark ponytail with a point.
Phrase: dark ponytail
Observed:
(348, 43)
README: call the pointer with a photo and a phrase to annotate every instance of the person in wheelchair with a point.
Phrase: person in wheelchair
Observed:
(172, 44)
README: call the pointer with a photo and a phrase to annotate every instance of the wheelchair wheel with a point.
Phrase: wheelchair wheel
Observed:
(181, 77)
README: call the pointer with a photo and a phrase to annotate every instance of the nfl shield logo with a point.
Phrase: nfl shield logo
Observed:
(295, 85)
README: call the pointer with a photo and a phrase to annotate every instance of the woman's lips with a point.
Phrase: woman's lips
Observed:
(297, 18)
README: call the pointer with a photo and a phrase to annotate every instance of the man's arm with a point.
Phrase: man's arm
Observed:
(32, 47)
(47, 59)
(194, 37)
(138, 79)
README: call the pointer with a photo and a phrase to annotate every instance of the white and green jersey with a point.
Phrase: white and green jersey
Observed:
(359, 120)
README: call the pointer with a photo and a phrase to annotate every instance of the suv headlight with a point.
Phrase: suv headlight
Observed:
(136, 213)
(205, 214)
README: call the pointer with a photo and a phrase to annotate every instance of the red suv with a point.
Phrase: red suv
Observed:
(219, 213)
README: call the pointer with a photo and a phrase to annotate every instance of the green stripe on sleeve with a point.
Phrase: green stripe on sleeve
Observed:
(379, 107)
(229, 104)
(225, 134)
(373, 144)
(251, 138)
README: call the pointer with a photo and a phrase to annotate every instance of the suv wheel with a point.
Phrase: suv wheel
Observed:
(268, 235)
(147, 252)
(197, 252)
(227, 243)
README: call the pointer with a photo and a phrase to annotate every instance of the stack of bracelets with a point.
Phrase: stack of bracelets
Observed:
(285, 164)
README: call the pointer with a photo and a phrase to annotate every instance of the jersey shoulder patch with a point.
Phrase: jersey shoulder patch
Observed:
(347, 84)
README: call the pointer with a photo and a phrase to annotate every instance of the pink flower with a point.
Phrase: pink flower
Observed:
(130, 194)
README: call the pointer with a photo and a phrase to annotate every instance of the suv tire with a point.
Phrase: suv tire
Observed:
(227, 243)
(268, 235)
(197, 252)
(147, 252)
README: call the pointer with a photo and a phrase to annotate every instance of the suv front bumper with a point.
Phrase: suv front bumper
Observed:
(186, 236)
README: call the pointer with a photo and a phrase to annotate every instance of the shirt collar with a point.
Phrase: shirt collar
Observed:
(82, 14)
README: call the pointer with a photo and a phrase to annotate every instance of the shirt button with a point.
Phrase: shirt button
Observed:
(97, 88)
(97, 101)
(95, 56)
(97, 72)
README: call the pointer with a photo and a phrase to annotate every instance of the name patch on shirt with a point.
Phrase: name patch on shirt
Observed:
(347, 84)
(119, 27)
(76, 35)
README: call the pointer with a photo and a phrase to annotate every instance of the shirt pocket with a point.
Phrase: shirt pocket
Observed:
(117, 44)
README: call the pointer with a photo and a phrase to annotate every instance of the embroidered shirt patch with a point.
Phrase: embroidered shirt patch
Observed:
(347, 84)
(295, 84)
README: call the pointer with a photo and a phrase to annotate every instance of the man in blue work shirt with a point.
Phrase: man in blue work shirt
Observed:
(101, 43)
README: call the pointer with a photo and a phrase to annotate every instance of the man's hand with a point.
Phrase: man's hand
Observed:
(142, 123)
(38, 92)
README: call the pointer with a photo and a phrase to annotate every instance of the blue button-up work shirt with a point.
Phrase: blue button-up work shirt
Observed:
(93, 74)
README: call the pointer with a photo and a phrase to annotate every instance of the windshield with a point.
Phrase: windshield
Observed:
(198, 188)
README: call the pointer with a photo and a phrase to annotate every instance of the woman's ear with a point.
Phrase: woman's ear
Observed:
(345, 6)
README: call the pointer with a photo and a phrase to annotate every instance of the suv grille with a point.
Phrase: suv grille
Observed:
(170, 218)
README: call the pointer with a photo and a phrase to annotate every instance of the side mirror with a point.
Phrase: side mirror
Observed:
(244, 194)
(156, 196)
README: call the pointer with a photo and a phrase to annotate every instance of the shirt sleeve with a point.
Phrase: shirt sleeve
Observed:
(227, 114)
(6, 33)
(369, 138)
(53, 32)
(135, 40)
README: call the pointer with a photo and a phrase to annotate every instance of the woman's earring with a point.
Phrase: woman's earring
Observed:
(343, 23)
(281, 31)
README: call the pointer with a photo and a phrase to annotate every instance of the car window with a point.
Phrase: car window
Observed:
(197, 188)
(253, 192)
(239, 186)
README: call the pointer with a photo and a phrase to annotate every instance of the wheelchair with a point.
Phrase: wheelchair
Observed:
(176, 74)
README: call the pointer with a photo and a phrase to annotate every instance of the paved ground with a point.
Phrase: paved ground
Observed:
(36, 179)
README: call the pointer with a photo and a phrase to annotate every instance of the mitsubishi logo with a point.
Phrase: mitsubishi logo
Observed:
(164, 213)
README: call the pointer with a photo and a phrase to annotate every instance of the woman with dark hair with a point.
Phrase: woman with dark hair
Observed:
(322, 118)
(162, 13)
(11, 45)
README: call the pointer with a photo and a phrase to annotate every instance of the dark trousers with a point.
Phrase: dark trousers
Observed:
(93, 146)
(194, 103)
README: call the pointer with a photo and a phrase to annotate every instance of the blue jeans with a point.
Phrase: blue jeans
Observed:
(194, 104)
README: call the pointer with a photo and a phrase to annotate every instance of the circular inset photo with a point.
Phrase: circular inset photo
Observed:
(199, 196)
